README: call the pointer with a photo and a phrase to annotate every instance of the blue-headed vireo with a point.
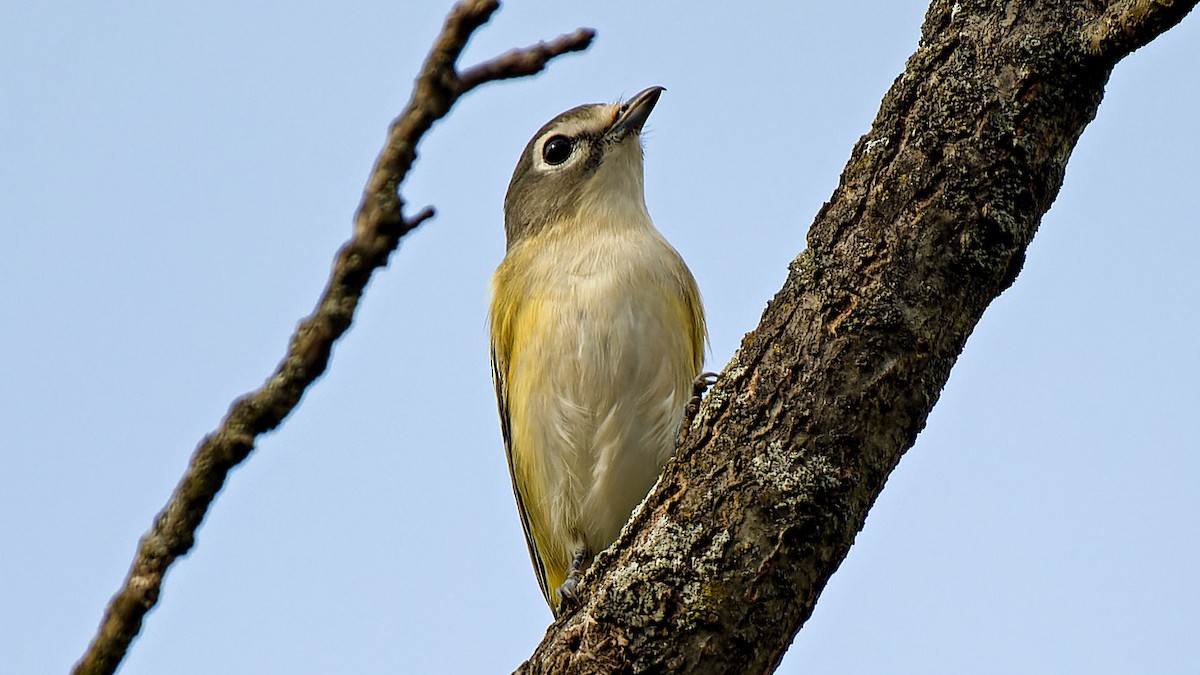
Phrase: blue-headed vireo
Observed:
(597, 335)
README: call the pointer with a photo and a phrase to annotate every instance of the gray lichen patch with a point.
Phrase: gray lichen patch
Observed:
(796, 477)
(704, 591)
(638, 590)
(672, 562)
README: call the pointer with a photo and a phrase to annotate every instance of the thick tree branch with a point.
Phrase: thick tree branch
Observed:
(725, 559)
(378, 227)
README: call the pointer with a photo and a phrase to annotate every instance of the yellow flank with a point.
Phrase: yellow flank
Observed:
(513, 317)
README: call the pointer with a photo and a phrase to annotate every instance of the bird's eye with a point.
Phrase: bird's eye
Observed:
(556, 150)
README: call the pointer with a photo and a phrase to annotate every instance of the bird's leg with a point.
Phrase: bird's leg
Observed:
(567, 597)
(699, 385)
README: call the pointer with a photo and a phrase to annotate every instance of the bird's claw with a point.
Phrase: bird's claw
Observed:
(568, 598)
(702, 382)
(699, 385)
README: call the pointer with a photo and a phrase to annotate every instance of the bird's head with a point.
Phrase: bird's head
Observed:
(585, 162)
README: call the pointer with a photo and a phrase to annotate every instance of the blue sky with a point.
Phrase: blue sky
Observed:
(177, 179)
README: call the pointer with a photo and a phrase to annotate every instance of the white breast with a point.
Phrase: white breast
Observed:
(610, 405)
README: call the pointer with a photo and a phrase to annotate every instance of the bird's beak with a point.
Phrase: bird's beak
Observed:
(633, 113)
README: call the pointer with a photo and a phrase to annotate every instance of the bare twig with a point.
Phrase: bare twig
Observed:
(527, 61)
(378, 227)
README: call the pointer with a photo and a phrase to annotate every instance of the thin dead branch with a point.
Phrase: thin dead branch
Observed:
(378, 227)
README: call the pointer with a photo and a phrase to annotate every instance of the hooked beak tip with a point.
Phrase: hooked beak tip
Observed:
(634, 112)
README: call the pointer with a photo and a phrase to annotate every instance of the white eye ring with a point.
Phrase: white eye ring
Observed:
(558, 149)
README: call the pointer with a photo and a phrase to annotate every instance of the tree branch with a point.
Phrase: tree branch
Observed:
(527, 61)
(1127, 25)
(378, 227)
(725, 559)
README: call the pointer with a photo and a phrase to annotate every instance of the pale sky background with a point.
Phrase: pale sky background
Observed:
(177, 178)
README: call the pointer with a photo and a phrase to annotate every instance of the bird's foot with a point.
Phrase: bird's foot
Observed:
(699, 385)
(568, 596)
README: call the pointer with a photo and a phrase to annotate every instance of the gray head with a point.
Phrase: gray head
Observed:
(586, 158)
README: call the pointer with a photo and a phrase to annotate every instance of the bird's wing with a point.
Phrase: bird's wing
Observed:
(500, 342)
(692, 316)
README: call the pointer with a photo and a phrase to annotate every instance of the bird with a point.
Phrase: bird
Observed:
(597, 336)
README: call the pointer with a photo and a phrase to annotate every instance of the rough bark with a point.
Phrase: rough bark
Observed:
(930, 222)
